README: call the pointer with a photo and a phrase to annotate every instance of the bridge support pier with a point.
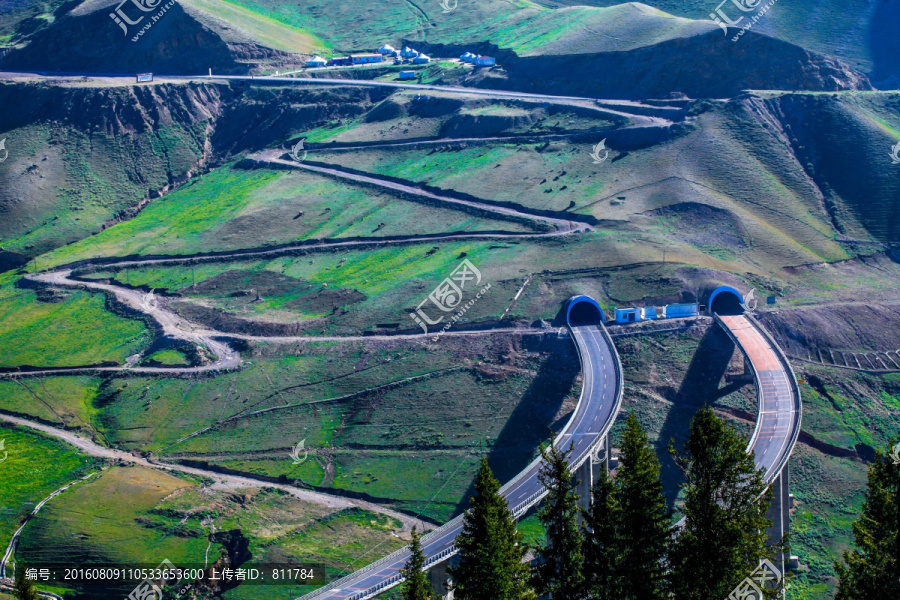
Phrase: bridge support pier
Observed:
(588, 473)
(440, 579)
(779, 513)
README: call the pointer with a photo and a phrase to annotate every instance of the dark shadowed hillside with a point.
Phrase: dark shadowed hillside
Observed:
(702, 66)
(177, 43)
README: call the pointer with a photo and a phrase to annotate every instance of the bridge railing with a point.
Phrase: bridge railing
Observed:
(620, 391)
(776, 469)
(795, 392)
(517, 510)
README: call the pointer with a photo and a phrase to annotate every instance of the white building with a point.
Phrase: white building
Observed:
(468, 57)
(386, 49)
(421, 59)
(408, 52)
(316, 62)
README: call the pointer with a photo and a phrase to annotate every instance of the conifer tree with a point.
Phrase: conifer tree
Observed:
(872, 569)
(558, 573)
(601, 544)
(644, 531)
(23, 588)
(491, 549)
(724, 533)
(416, 585)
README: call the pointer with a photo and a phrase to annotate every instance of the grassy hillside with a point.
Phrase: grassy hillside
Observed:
(288, 207)
(35, 466)
(639, 48)
(66, 329)
(759, 191)
(524, 27)
(84, 157)
(847, 155)
(24, 16)
(79, 158)
(858, 32)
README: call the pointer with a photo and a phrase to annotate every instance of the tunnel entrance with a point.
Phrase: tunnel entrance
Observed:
(726, 301)
(584, 310)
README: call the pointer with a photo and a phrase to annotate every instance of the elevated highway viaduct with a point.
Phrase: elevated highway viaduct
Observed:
(587, 431)
(773, 439)
(779, 408)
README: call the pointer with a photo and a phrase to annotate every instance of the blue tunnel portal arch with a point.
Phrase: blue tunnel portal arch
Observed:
(583, 310)
(725, 300)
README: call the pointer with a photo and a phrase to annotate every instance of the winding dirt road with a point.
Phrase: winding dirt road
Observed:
(222, 481)
(177, 327)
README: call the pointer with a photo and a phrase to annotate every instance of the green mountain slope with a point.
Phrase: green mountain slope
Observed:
(634, 49)
(860, 32)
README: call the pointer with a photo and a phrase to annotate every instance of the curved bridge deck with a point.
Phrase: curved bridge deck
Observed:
(779, 410)
(601, 397)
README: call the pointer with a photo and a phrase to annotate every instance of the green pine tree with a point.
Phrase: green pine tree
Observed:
(559, 560)
(601, 544)
(644, 531)
(416, 585)
(724, 535)
(491, 549)
(872, 570)
(23, 589)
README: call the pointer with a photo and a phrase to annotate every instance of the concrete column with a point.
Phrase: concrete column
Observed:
(438, 577)
(607, 451)
(779, 514)
(585, 477)
(588, 472)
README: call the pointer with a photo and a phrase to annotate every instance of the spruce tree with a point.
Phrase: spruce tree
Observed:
(416, 585)
(601, 544)
(23, 589)
(559, 560)
(643, 521)
(872, 569)
(491, 550)
(724, 534)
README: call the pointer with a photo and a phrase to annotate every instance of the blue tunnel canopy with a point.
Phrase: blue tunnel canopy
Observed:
(726, 300)
(583, 309)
